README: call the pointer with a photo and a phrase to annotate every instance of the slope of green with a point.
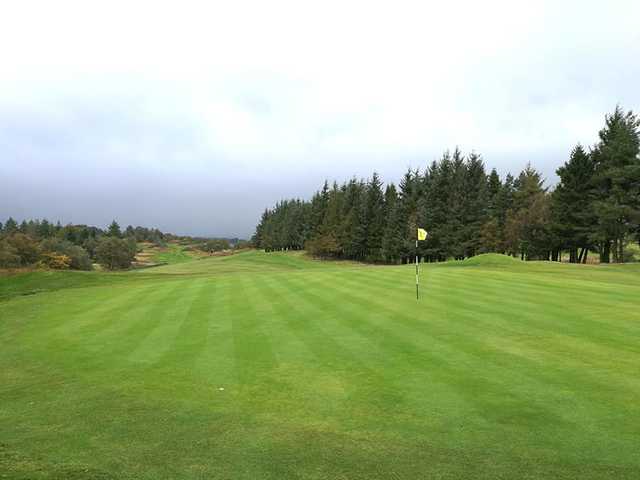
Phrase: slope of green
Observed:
(31, 283)
(491, 259)
(276, 366)
(173, 254)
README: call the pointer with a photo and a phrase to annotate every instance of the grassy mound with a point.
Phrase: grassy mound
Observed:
(492, 260)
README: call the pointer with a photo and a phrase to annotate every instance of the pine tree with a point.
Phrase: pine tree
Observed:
(494, 187)
(11, 226)
(438, 215)
(475, 204)
(374, 219)
(574, 220)
(114, 230)
(319, 205)
(45, 230)
(527, 230)
(617, 183)
(408, 213)
(392, 240)
(353, 229)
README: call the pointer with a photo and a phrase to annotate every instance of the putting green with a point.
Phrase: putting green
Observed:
(274, 366)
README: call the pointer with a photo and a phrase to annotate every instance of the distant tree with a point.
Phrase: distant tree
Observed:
(114, 230)
(11, 226)
(45, 229)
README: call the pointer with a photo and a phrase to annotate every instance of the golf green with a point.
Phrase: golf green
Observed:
(275, 366)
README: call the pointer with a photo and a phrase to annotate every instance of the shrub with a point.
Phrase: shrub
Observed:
(114, 253)
(9, 257)
(25, 247)
(78, 256)
(55, 260)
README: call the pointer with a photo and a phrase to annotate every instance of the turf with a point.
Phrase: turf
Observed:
(274, 366)
(173, 253)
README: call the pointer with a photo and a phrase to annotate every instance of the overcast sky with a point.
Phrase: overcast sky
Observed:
(196, 116)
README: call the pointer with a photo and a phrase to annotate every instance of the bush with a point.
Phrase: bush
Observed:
(55, 260)
(114, 253)
(215, 245)
(9, 257)
(78, 257)
(25, 247)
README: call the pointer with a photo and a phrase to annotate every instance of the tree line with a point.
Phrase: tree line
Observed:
(595, 207)
(45, 244)
(42, 243)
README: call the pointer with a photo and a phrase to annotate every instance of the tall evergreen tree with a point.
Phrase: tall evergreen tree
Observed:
(374, 218)
(475, 206)
(617, 183)
(527, 229)
(574, 220)
(392, 239)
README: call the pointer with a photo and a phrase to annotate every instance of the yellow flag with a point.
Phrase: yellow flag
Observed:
(422, 234)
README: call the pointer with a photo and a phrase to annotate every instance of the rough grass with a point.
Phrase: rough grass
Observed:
(275, 366)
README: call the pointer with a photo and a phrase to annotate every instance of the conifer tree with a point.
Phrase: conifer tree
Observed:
(11, 226)
(114, 230)
(374, 219)
(572, 205)
(474, 207)
(617, 183)
(392, 240)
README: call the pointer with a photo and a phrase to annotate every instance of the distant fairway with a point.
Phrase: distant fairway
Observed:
(274, 366)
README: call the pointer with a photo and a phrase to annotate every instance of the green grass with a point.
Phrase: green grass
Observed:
(330, 371)
(173, 254)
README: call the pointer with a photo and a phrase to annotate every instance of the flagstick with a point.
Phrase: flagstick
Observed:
(417, 294)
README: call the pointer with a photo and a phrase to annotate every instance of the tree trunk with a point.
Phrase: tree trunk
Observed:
(621, 250)
(605, 251)
(586, 252)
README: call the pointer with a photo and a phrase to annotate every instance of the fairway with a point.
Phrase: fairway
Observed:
(273, 366)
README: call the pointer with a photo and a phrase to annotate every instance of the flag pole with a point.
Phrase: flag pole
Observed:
(417, 294)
